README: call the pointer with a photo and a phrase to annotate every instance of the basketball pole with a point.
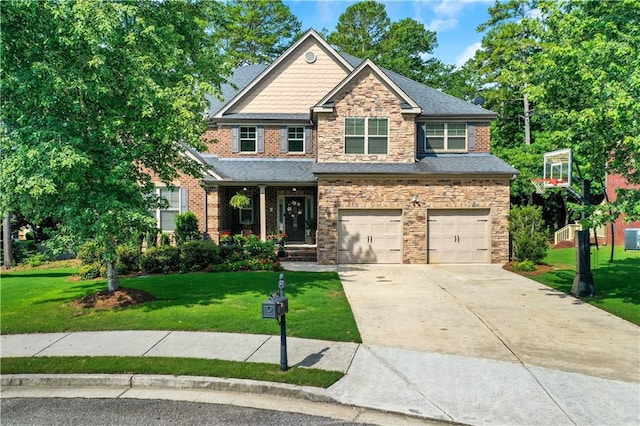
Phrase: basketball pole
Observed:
(583, 281)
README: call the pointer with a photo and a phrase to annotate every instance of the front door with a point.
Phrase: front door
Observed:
(294, 216)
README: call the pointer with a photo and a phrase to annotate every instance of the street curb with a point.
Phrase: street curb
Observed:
(308, 393)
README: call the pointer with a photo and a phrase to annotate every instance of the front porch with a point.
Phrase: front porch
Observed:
(283, 211)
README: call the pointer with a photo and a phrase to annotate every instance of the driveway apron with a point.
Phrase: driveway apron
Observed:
(484, 311)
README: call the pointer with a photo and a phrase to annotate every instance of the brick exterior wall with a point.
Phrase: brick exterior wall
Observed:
(483, 137)
(366, 96)
(218, 141)
(614, 182)
(335, 193)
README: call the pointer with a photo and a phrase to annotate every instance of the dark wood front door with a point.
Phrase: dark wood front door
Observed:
(294, 215)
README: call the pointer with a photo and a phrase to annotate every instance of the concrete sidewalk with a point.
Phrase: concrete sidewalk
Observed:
(423, 385)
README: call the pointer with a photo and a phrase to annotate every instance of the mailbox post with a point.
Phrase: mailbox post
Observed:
(276, 308)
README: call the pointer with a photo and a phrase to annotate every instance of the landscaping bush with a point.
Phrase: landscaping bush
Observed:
(529, 235)
(525, 266)
(36, 260)
(90, 253)
(186, 228)
(165, 240)
(163, 259)
(22, 250)
(89, 272)
(199, 255)
(128, 259)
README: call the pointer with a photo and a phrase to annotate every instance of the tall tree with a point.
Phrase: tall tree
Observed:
(97, 98)
(257, 31)
(587, 88)
(364, 30)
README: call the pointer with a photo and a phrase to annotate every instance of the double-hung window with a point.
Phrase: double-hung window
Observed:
(248, 139)
(368, 135)
(445, 136)
(166, 218)
(295, 139)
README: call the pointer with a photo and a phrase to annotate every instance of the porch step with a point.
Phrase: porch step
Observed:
(301, 253)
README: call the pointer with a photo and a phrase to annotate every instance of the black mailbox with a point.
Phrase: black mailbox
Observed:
(276, 307)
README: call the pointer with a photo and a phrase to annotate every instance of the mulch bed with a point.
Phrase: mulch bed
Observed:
(120, 298)
(540, 269)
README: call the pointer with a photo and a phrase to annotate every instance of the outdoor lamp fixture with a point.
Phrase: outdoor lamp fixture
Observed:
(415, 200)
(294, 190)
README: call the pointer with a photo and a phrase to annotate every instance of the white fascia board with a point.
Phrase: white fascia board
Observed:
(310, 34)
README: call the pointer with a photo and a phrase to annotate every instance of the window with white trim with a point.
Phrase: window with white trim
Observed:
(445, 136)
(166, 218)
(295, 139)
(246, 213)
(248, 137)
(366, 135)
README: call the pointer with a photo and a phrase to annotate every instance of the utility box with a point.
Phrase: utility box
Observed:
(632, 239)
(275, 308)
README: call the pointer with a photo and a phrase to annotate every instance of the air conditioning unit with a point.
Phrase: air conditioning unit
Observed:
(632, 239)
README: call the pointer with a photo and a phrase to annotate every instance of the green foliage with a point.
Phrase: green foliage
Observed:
(257, 31)
(187, 228)
(528, 233)
(160, 260)
(94, 97)
(239, 201)
(525, 265)
(128, 259)
(199, 255)
(22, 250)
(90, 253)
(165, 239)
(90, 271)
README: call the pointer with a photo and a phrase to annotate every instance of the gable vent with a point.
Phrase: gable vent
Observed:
(310, 57)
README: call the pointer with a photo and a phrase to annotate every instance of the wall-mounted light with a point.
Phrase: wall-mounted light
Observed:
(294, 190)
(415, 200)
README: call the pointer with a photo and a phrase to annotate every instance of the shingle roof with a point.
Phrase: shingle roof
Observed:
(268, 170)
(240, 79)
(268, 116)
(447, 164)
(433, 102)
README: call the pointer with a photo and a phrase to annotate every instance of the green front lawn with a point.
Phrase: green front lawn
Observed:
(617, 284)
(40, 301)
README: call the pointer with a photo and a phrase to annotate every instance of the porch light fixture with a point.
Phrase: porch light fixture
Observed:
(294, 190)
(415, 200)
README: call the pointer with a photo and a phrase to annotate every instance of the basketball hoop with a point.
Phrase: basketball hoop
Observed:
(541, 184)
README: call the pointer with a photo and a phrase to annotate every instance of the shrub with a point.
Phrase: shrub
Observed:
(90, 252)
(36, 260)
(525, 265)
(22, 250)
(163, 259)
(165, 240)
(198, 255)
(128, 259)
(89, 272)
(186, 228)
(528, 233)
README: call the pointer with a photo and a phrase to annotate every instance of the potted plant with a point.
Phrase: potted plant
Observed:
(240, 201)
(310, 228)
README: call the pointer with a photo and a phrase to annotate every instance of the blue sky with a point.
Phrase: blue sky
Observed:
(454, 21)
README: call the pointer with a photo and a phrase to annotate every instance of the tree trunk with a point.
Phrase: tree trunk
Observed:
(6, 242)
(112, 277)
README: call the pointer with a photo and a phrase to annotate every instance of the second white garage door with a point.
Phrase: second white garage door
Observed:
(370, 236)
(459, 236)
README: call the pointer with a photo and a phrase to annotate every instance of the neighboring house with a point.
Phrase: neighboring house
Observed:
(387, 169)
(614, 182)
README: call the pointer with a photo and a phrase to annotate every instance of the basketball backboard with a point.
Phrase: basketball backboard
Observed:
(557, 169)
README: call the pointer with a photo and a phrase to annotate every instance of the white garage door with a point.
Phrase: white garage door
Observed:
(459, 236)
(370, 236)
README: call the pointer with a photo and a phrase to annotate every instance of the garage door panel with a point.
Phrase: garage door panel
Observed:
(458, 236)
(370, 236)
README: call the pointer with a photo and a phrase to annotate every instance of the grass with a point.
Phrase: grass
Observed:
(170, 366)
(40, 301)
(617, 284)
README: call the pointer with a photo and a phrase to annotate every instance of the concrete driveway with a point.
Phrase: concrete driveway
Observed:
(484, 311)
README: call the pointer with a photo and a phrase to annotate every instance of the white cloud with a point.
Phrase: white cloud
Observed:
(442, 24)
(448, 7)
(467, 54)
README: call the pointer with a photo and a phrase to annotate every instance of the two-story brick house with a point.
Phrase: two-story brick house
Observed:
(387, 169)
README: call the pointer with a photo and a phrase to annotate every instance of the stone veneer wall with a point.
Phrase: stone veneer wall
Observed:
(366, 96)
(336, 193)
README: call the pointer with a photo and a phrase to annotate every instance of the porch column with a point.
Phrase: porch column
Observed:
(263, 213)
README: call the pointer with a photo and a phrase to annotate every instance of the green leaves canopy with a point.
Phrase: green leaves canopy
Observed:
(97, 98)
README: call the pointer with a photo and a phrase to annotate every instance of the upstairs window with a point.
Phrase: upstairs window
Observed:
(295, 139)
(445, 137)
(248, 139)
(366, 135)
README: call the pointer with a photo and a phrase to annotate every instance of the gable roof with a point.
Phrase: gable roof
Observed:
(433, 103)
(263, 170)
(364, 65)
